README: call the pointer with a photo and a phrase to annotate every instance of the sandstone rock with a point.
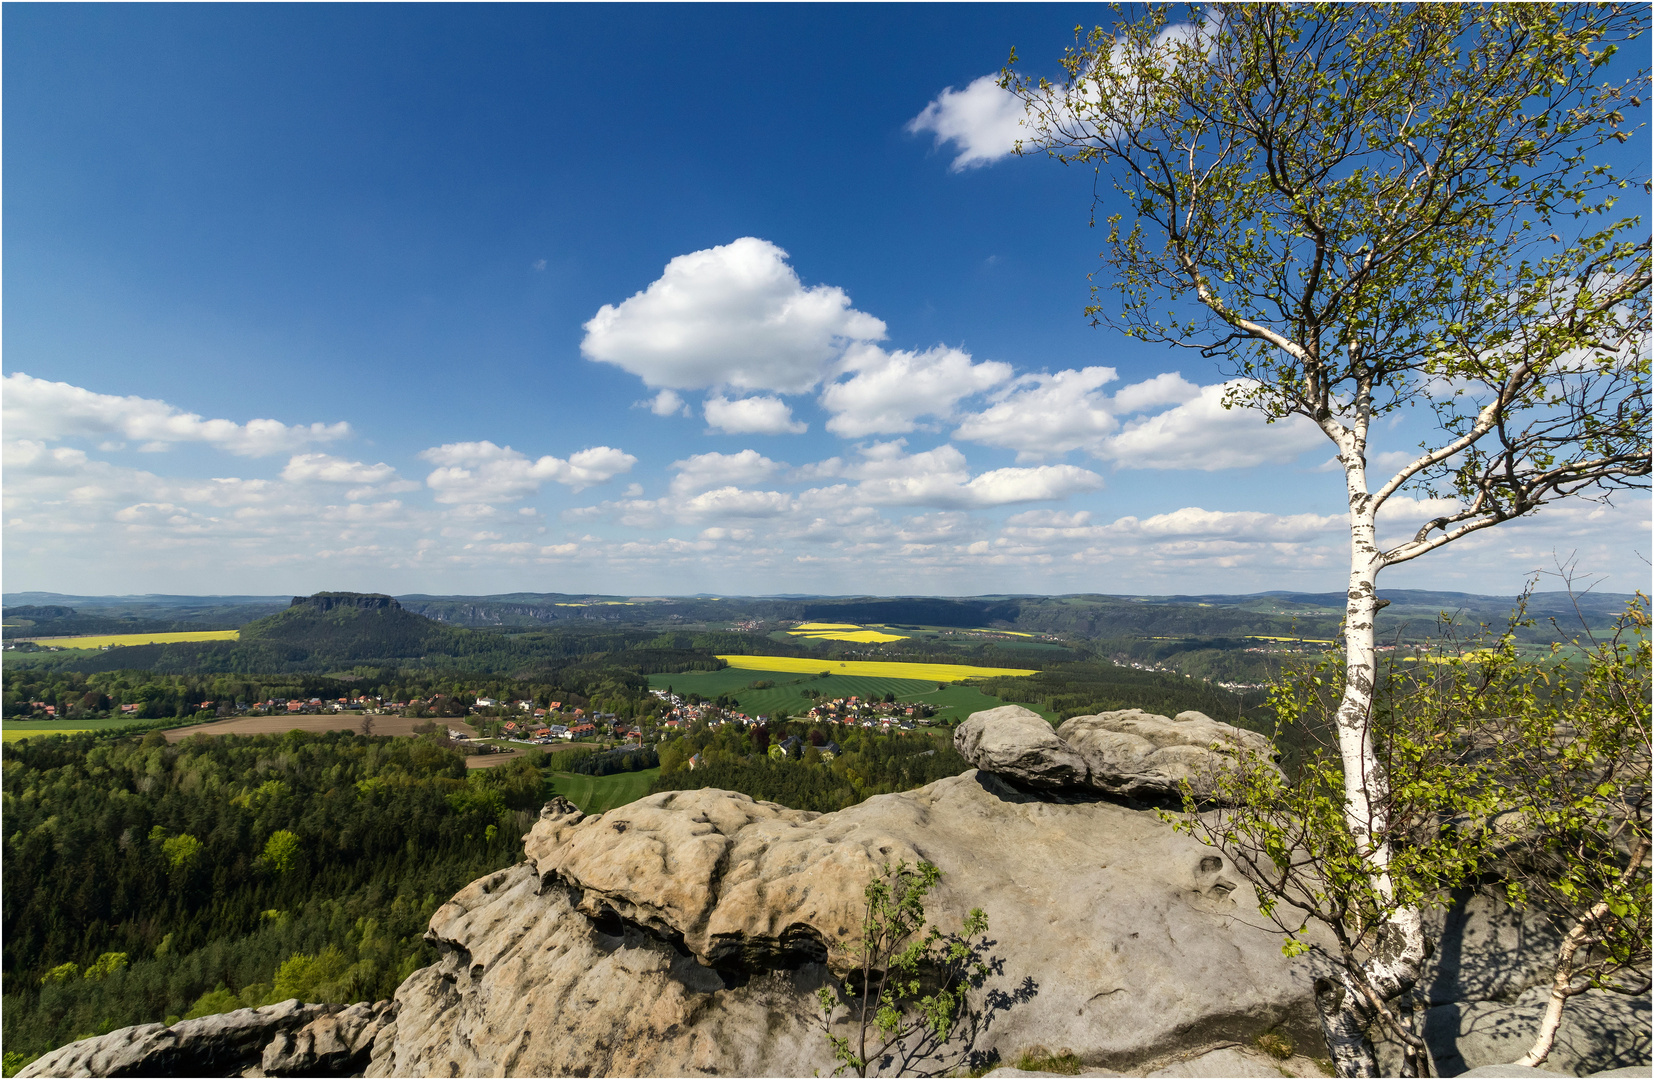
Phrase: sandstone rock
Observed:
(1017, 742)
(1139, 754)
(1486, 950)
(1127, 752)
(209, 1046)
(337, 1044)
(1523, 1070)
(1599, 1031)
(1234, 1061)
(686, 933)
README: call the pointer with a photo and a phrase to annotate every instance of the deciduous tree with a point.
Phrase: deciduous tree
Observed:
(1364, 209)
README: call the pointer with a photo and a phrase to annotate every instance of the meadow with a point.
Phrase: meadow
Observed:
(595, 794)
(104, 641)
(22, 729)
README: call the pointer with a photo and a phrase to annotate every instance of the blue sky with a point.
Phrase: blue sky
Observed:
(465, 299)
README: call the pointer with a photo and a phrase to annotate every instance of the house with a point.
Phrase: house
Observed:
(579, 731)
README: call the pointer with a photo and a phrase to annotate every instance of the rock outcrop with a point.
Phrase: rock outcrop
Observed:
(335, 1044)
(686, 933)
(221, 1045)
(327, 601)
(1127, 752)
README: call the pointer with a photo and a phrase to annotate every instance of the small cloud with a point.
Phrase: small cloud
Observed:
(333, 470)
(983, 122)
(752, 416)
(665, 403)
(538, 264)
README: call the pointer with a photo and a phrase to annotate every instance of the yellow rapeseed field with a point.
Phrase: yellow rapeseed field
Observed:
(99, 641)
(832, 631)
(13, 734)
(804, 665)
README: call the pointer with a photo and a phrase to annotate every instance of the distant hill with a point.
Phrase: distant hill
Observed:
(333, 632)
(37, 614)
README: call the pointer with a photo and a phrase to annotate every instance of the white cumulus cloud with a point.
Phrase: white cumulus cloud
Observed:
(982, 121)
(1047, 415)
(1202, 434)
(736, 316)
(889, 476)
(704, 471)
(480, 472)
(887, 392)
(43, 410)
(333, 470)
(752, 416)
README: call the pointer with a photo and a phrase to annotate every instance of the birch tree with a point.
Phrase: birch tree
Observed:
(1360, 210)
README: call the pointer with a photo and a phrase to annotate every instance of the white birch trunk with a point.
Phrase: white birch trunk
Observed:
(1398, 947)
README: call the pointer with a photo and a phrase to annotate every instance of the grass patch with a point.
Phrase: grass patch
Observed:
(890, 669)
(1274, 1044)
(90, 723)
(1039, 1059)
(99, 641)
(595, 794)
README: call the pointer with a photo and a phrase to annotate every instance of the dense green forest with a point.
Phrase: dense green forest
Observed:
(808, 775)
(1093, 686)
(308, 639)
(610, 681)
(144, 880)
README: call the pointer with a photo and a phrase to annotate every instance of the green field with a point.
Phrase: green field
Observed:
(13, 734)
(952, 704)
(595, 794)
(16, 729)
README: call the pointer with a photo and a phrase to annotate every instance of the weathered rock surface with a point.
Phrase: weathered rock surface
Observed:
(685, 934)
(1599, 1031)
(337, 1044)
(1017, 742)
(220, 1045)
(1127, 752)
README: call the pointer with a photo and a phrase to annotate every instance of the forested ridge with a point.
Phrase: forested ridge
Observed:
(141, 877)
(810, 772)
(1093, 686)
